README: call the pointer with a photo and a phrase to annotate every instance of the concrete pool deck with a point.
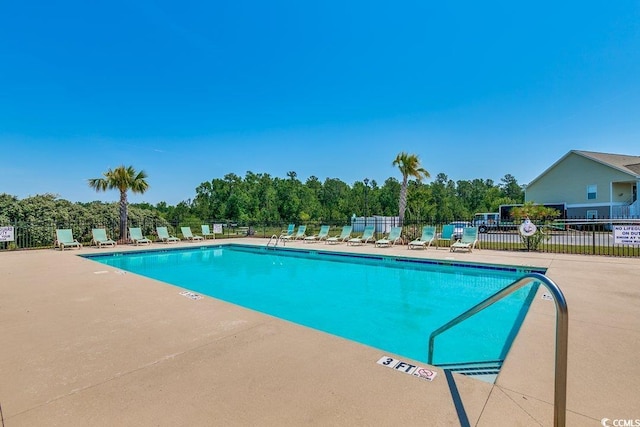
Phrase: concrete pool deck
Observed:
(85, 345)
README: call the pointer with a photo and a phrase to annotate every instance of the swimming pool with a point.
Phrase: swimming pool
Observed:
(390, 303)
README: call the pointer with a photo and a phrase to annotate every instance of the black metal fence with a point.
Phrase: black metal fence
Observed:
(569, 236)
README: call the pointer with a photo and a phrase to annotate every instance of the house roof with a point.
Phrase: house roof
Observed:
(622, 162)
(628, 164)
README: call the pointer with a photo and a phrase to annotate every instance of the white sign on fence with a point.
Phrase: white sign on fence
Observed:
(217, 228)
(6, 234)
(626, 234)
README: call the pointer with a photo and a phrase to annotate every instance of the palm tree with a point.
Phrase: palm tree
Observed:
(124, 179)
(409, 165)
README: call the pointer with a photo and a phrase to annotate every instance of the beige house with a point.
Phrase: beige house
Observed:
(592, 185)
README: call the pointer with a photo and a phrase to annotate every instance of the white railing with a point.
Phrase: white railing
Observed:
(275, 239)
(634, 209)
(631, 210)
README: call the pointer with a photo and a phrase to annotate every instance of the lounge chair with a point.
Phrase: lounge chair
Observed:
(163, 235)
(428, 236)
(64, 238)
(367, 235)
(446, 235)
(344, 236)
(288, 233)
(188, 235)
(300, 234)
(100, 238)
(135, 234)
(322, 235)
(395, 234)
(206, 232)
(468, 241)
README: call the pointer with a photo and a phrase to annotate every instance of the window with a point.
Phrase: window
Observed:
(592, 214)
(592, 191)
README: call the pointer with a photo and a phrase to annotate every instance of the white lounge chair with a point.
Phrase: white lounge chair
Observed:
(64, 239)
(100, 238)
(428, 236)
(468, 241)
(367, 235)
(342, 237)
(288, 233)
(300, 234)
(322, 235)
(206, 232)
(394, 236)
(163, 235)
(188, 235)
(135, 234)
(446, 235)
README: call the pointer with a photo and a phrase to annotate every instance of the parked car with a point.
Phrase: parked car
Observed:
(458, 226)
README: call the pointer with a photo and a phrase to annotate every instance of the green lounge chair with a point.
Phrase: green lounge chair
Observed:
(322, 235)
(135, 234)
(344, 236)
(206, 232)
(188, 235)
(165, 237)
(395, 234)
(468, 241)
(64, 238)
(428, 236)
(446, 235)
(299, 234)
(367, 235)
(288, 233)
(100, 238)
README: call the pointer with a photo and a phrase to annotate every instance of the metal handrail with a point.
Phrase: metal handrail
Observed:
(276, 242)
(562, 332)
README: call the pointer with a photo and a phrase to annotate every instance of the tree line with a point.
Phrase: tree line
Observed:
(261, 198)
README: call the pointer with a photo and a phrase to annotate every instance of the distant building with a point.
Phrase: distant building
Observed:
(592, 185)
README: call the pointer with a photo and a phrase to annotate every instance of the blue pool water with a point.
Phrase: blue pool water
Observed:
(389, 303)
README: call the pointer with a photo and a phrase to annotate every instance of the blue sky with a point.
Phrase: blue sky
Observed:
(190, 91)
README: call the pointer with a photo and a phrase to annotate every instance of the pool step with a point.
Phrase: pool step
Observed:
(485, 370)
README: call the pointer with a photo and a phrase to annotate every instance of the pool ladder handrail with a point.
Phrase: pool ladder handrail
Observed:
(276, 241)
(562, 332)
